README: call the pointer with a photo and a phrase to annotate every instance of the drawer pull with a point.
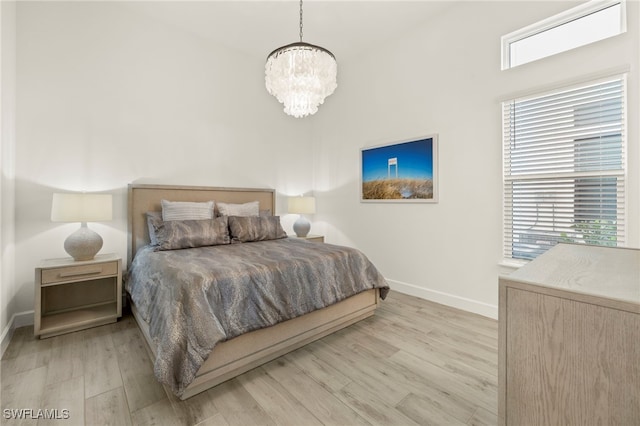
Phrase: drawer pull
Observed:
(79, 274)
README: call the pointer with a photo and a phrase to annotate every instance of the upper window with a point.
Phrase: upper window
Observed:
(587, 23)
(564, 168)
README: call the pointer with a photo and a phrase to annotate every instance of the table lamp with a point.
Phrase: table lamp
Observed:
(84, 243)
(302, 206)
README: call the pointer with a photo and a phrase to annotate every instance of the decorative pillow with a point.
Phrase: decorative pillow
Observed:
(180, 234)
(186, 210)
(245, 229)
(251, 208)
(153, 220)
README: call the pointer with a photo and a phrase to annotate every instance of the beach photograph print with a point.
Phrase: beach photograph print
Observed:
(401, 171)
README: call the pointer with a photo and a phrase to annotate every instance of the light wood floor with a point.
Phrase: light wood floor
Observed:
(414, 362)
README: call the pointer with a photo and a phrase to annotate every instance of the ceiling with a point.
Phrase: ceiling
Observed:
(258, 27)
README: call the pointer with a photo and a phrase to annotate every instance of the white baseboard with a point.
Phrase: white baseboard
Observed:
(18, 320)
(452, 300)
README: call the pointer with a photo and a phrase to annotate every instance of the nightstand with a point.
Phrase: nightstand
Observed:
(72, 295)
(314, 238)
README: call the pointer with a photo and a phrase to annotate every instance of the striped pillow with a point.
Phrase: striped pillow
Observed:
(251, 208)
(186, 210)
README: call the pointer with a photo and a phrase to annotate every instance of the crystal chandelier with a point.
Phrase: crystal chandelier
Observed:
(300, 75)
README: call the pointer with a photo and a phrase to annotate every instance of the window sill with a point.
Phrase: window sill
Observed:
(510, 265)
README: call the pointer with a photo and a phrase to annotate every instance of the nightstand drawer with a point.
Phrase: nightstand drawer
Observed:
(79, 272)
(315, 238)
(311, 237)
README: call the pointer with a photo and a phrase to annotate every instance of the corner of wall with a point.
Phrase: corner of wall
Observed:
(5, 338)
(7, 163)
(21, 319)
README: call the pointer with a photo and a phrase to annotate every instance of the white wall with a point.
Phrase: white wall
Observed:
(445, 78)
(7, 175)
(106, 97)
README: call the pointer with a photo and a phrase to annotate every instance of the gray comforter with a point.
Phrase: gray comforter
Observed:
(193, 299)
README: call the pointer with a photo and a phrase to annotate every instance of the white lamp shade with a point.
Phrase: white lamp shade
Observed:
(302, 205)
(81, 207)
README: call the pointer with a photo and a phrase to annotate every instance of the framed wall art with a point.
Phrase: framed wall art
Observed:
(405, 171)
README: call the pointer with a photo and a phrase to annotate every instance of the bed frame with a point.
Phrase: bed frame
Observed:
(243, 353)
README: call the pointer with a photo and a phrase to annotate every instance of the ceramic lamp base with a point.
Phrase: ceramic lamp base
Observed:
(301, 227)
(83, 244)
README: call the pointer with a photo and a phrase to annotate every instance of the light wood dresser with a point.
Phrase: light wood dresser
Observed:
(569, 347)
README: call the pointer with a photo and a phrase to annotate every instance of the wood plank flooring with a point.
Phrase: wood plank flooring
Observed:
(413, 363)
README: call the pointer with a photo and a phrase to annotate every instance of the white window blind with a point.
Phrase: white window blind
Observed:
(564, 168)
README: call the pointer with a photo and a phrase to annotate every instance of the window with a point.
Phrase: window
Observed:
(588, 23)
(564, 168)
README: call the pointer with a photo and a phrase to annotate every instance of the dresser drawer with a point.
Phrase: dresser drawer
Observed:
(79, 272)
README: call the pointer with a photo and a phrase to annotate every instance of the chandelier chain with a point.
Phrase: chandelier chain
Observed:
(301, 21)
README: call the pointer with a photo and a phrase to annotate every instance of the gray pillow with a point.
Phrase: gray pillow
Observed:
(180, 234)
(153, 219)
(246, 229)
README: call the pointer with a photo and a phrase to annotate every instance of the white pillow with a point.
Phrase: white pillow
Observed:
(186, 210)
(251, 208)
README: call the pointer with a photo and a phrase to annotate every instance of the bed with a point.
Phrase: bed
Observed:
(235, 354)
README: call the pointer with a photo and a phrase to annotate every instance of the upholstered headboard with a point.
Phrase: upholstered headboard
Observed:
(145, 198)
